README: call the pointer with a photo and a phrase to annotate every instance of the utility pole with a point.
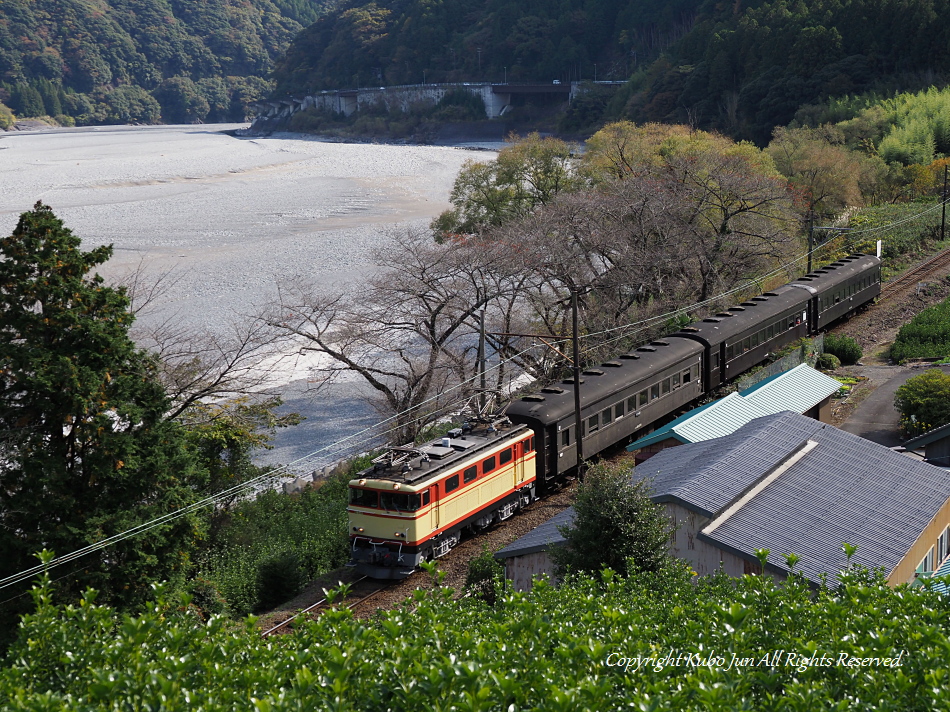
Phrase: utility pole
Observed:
(481, 363)
(943, 216)
(578, 423)
(811, 237)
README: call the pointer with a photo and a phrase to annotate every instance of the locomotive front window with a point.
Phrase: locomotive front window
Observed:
(400, 501)
(364, 497)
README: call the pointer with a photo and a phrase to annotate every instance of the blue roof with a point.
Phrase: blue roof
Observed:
(798, 390)
(929, 437)
(539, 538)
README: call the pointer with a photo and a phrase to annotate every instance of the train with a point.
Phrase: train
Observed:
(414, 503)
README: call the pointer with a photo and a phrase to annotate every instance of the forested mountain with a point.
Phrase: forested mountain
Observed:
(125, 60)
(742, 67)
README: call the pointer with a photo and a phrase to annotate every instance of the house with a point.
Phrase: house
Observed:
(936, 445)
(789, 484)
(801, 390)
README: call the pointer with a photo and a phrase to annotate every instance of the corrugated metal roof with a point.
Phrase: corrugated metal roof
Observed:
(846, 489)
(929, 437)
(797, 390)
(539, 538)
(712, 420)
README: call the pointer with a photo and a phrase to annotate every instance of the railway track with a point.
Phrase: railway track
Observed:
(939, 261)
(361, 591)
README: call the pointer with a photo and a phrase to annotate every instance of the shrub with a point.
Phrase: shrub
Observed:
(926, 336)
(828, 362)
(484, 576)
(924, 401)
(844, 347)
(279, 578)
(616, 525)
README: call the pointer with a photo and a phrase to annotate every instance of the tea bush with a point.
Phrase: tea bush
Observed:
(844, 347)
(652, 641)
(926, 336)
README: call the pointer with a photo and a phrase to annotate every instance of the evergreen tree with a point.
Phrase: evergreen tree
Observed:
(86, 450)
(26, 101)
(616, 525)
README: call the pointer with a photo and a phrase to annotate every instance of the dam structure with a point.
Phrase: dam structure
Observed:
(497, 98)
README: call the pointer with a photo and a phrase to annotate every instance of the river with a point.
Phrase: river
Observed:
(229, 217)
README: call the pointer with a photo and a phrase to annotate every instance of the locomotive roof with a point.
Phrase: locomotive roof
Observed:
(415, 465)
(557, 401)
(828, 277)
(731, 322)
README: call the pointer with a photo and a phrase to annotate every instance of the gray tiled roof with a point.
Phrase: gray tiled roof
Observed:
(539, 538)
(846, 489)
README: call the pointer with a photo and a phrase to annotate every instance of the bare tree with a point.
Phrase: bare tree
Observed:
(411, 331)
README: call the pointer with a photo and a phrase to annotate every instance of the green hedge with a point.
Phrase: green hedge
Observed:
(553, 650)
(926, 336)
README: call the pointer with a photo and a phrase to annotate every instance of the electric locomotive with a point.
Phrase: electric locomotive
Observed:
(414, 502)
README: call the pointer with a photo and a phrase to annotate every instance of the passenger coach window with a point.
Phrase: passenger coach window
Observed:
(654, 391)
(364, 498)
(452, 484)
(676, 380)
(642, 399)
(619, 409)
(632, 403)
(470, 474)
(488, 465)
(686, 377)
(593, 424)
(606, 417)
(666, 386)
(504, 457)
(566, 437)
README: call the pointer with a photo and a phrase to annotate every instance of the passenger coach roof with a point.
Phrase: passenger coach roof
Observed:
(829, 276)
(605, 380)
(716, 328)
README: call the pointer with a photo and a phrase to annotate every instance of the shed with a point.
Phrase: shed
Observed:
(791, 484)
(527, 557)
(801, 390)
(935, 444)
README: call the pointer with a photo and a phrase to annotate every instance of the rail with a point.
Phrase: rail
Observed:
(380, 586)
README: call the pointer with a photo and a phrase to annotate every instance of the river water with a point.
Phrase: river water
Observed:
(229, 217)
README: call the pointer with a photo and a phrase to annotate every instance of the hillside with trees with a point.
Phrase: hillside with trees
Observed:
(143, 62)
(740, 68)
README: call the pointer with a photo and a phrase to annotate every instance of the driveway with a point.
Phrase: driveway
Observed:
(876, 419)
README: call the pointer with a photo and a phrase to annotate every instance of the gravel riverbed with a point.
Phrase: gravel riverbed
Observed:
(229, 217)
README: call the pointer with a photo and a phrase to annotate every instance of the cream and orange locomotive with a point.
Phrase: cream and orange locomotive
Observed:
(415, 501)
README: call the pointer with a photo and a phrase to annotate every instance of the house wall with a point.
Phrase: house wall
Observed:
(820, 412)
(905, 570)
(938, 453)
(521, 570)
(704, 558)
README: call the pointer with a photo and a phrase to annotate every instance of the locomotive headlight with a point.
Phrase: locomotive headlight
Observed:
(400, 534)
(396, 485)
(358, 529)
(362, 482)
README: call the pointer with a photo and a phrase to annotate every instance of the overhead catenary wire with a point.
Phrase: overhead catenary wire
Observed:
(283, 470)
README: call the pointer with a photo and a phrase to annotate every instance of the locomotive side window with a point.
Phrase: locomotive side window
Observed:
(425, 498)
(504, 457)
(470, 473)
(488, 465)
(530, 445)
(364, 497)
(452, 484)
